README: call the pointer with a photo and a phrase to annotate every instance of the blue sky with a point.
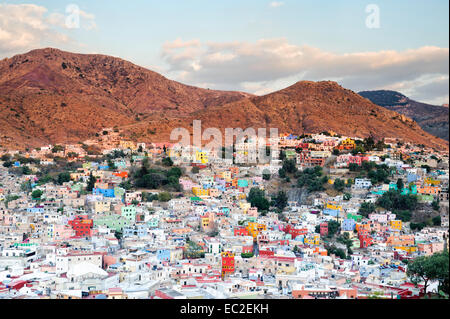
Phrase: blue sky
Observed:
(276, 44)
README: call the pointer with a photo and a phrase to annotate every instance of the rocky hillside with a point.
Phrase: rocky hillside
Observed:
(305, 107)
(431, 118)
(51, 96)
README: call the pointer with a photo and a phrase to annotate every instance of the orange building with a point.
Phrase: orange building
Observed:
(400, 240)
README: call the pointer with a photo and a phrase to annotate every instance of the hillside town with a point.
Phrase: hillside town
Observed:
(328, 217)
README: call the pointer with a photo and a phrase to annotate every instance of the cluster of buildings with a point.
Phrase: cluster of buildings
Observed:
(209, 242)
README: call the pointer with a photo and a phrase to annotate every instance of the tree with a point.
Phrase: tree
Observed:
(282, 173)
(266, 176)
(36, 194)
(333, 227)
(366, 209)
(167, 161)
(435, 204)
(437, 221)
(63, 177)
(289, 166)
(91, 183)
(347, 196)
(164, 197)
(257, 198)
(400, 184)
(339, 185)
(6, 157)
(394, 200)
(281, 200)
(427, 268)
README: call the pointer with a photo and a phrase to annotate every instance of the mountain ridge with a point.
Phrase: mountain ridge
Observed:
(52, 96)
(432, 118)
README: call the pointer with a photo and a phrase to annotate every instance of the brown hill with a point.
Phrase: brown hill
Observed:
(51, 96)
(305, 107)
(431, 118)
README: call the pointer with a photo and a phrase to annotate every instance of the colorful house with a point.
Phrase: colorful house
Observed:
(228, 266)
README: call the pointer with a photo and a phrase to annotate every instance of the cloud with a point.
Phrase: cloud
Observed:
(275, 63)
(29, 26)
(276, 4)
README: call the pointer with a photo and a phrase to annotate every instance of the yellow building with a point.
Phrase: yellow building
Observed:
(349, 142)
(201, 157)
(396, 224)
(128, 145)
(226, 175)
(205, 221)
(431, 181)
(255, 228)
(312, 240)
(199, 191)
(333, 206)
(408, 249)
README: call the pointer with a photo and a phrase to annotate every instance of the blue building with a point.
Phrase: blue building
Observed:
(163, 254)
(109, 192)
(348, 225)
(331, 212)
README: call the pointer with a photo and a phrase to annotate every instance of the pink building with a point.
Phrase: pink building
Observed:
(431, 247)
(382, 218)
(348, 158)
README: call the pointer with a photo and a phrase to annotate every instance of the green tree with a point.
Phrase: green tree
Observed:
(164, 197)
(339, 185)
(167, 161)
(427, 268)
(333, 227)
(289, 166)
(435, 204)
(63, 178)
(366, 209)
(257, 198)
(282, 173)
(281, 200)
(437, 221)
(400, 184)
(36, 194)
(91, 183)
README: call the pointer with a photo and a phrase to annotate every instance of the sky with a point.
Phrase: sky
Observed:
(256, 46)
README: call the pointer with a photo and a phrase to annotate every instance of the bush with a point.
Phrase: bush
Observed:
(366, 209)
(195, 170)
(164, 197)
(36, 194)
(339, 185)
(394, 200)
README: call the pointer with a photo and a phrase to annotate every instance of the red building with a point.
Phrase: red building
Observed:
(227, 263)
(241, 231)
(294, 232)
(82, 226)
(365, 241)
(266, 253)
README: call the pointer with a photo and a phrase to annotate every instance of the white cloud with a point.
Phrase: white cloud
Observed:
(29, 26)
(276, 4)
(275, 63)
